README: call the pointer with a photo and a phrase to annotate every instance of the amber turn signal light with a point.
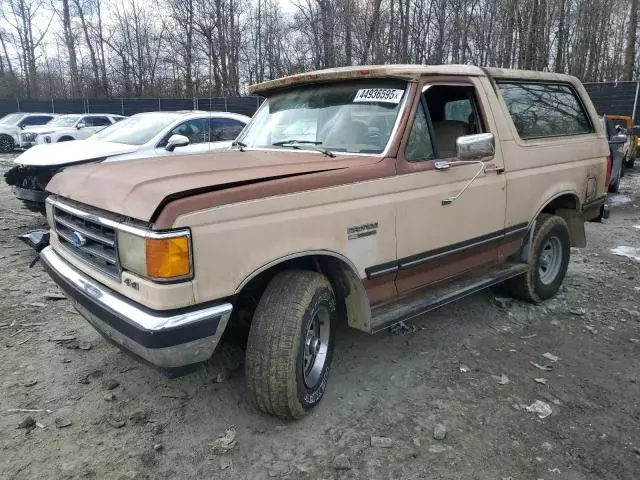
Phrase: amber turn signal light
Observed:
(168, 257)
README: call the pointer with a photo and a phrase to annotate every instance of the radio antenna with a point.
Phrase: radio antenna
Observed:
(210, 84)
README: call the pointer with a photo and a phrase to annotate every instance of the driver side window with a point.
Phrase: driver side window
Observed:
(451, 112)
(195, 130)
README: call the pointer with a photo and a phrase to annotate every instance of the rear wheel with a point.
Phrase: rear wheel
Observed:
(614, 186)
(549, 259)
(6, 144)
(65, 139)
(290, 344)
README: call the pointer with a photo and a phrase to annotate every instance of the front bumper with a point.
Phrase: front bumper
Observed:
(165, 339)
(29, 195)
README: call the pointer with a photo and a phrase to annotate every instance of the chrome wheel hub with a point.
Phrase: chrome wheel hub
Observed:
(316, 346)
(550, 260)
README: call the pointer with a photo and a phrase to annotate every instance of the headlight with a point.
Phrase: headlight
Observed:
(29, 137)
(158, 256)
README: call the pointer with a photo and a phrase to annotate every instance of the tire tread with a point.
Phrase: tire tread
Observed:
(276, 326)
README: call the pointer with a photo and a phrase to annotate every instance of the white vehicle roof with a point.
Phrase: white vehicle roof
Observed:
(187, 114)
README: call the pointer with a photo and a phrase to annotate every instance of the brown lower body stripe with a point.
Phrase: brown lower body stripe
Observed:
(457, 248)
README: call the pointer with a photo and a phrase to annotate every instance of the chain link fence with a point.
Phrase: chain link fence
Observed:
(130, 106)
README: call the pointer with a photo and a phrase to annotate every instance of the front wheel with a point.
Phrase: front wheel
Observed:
(6, 144)
(290, 344)
(549, 259)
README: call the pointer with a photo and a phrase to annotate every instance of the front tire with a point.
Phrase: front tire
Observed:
(290, 344)
(549, 259)
(6, 144)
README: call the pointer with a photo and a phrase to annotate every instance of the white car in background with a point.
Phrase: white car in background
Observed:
(67, 127)
(11, 127)
(154, 134)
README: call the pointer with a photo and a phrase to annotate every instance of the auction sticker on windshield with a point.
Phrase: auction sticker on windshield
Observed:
(386, 95)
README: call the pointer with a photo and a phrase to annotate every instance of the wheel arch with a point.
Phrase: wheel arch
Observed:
(341, 272)
(567, 205)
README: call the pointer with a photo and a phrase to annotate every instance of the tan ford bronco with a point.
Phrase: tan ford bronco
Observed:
(364, 195)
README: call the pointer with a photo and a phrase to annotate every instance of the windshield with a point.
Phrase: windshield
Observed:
(64, 121)
(11, 118)
(136, 130)
(355, 117)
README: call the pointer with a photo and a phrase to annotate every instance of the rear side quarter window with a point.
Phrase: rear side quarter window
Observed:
(540, 110)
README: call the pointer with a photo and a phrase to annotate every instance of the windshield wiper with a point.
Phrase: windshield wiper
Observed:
(237, 143)
(313, 145)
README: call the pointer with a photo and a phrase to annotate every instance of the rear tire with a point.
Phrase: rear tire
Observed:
(7, 144)
(549, 259)
(65, 139)
(290, 344)
(614, 186)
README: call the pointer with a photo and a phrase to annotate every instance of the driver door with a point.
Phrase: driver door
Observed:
(436, 239)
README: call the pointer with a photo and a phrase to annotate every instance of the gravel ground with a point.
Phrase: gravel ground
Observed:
(450, 399)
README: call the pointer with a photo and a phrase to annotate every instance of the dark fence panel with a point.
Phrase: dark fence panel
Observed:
(68, 105)
(104, 105)
(8, 106)
(212, 104)
(173, 104)
(130, 106)
(614, 98)
(35, 105)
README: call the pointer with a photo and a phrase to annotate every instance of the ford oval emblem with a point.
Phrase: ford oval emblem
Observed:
(78, 239)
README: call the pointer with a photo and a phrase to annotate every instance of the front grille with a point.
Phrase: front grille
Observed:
(88, 238)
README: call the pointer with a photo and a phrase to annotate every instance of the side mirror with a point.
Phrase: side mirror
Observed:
(176, 141)
(22, 126)
(473, 147)
(618, 139)
(81, 125)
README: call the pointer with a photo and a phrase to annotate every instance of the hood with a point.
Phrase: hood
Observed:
(78, 151)
(45, 129)
(137, 188)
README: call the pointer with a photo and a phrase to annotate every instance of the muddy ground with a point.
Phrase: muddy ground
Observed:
(468, 369)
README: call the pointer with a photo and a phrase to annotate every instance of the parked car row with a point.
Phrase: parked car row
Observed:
(154, 134)
(362, 196)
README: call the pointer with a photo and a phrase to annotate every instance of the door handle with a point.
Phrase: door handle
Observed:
(490, 167)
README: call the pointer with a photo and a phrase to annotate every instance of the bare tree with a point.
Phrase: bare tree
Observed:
(196, 48)
(630, 52)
